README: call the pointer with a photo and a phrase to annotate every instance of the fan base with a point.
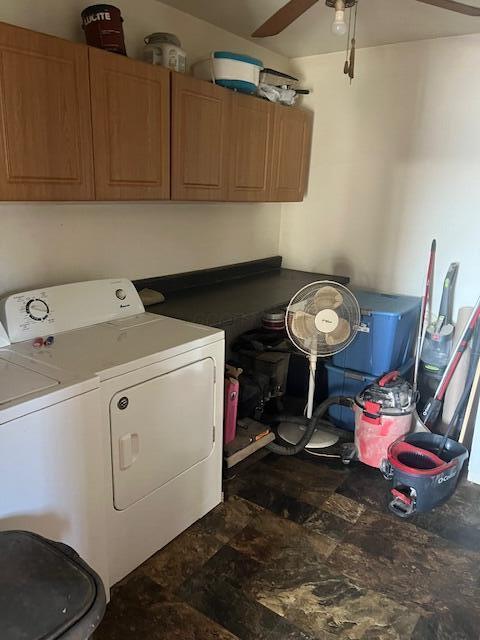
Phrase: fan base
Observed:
(293, 432)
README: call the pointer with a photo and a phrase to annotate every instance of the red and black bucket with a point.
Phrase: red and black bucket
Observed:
(424, 469)
(103, 28)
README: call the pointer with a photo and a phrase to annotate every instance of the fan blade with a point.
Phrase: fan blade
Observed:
(283, 18)
(451, 5)
(340, 334)
(303, 325)
(327, 298)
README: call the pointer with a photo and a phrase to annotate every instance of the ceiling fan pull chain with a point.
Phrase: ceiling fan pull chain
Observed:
(351, 66)
(346, 65)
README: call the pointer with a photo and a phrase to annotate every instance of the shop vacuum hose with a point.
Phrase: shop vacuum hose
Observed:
(311, 424)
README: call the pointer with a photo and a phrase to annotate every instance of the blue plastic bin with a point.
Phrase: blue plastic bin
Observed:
(344, 382)
(392, 322)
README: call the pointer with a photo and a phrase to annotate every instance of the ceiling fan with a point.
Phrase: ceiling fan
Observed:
(295, 8)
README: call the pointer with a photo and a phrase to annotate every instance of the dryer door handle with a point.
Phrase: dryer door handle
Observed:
(129, 448)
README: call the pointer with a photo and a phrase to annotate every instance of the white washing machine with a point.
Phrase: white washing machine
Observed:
(161, 387)
(52, 476)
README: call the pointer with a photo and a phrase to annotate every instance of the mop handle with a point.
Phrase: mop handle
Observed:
(424, 313)
(461, 346)
(461, 405)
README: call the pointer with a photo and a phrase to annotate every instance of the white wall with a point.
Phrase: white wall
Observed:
(44, 244)
(474, 462)
(141, 17)
(395, 162)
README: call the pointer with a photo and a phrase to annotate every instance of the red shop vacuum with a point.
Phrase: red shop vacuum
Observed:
(383, 414)
(424, 469)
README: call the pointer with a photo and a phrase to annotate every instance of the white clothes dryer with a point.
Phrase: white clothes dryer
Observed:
(161, 391)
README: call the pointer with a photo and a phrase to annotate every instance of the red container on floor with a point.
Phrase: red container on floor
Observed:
(383, 414)
(230, 410)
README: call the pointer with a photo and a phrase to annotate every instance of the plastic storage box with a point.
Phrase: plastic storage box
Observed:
(232, 70)
(392, 323)
(344, 382)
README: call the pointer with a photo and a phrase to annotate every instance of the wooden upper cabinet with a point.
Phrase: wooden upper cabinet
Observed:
(78, 123)
(45, 132)
(251, 145)
(199, 139)
(291, 153)
(131, 128)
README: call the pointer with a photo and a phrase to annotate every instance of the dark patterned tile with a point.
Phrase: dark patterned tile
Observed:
(170, 566)
(275, 500)
(343, 507)
(456, 624)
(228, 518)
(329, 524)
(234, 567)
(458, 520)
(466, 503)
(408, 564)
(230, 608)
(138, 591)
(331, 605)
(268, 537)
(301, 589)
(311, 475)
(284, 630)
(443, 522)
(336, 517)
(141, 609)
(335, 564)
(367, 486)
(267, 475)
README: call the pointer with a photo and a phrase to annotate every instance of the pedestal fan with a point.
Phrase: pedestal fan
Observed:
(322, 319)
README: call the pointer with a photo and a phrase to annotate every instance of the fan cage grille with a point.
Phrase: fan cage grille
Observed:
(303, 300)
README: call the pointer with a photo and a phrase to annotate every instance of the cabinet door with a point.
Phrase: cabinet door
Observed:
(45, 132)
(199, 139)
(251, 148)
(291, 153)
(131, 128)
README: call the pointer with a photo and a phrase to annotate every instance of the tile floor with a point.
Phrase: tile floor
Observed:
(302, 550)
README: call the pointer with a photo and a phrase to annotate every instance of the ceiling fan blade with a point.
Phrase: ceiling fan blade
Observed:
(283, 18)
(451, 5)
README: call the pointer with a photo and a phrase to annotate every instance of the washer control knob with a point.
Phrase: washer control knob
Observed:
(120, 293)
(37, 309)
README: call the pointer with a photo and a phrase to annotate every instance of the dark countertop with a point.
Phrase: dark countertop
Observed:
(220, 297)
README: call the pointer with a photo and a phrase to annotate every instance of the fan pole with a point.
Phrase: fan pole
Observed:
(311, 384)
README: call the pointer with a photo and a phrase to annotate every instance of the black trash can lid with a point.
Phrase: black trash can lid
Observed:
(45, 588)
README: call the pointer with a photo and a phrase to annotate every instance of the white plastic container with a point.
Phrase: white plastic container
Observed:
(232, 70)
(165, 49)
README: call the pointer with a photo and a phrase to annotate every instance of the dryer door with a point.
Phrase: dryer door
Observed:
(161, 428)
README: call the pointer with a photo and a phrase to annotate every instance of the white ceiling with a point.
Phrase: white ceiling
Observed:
(379, 22)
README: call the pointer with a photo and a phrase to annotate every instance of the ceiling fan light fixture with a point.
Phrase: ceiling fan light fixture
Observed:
(339, 26)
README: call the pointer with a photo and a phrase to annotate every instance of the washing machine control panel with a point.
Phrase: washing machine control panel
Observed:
(37, 309)
(42, 312)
